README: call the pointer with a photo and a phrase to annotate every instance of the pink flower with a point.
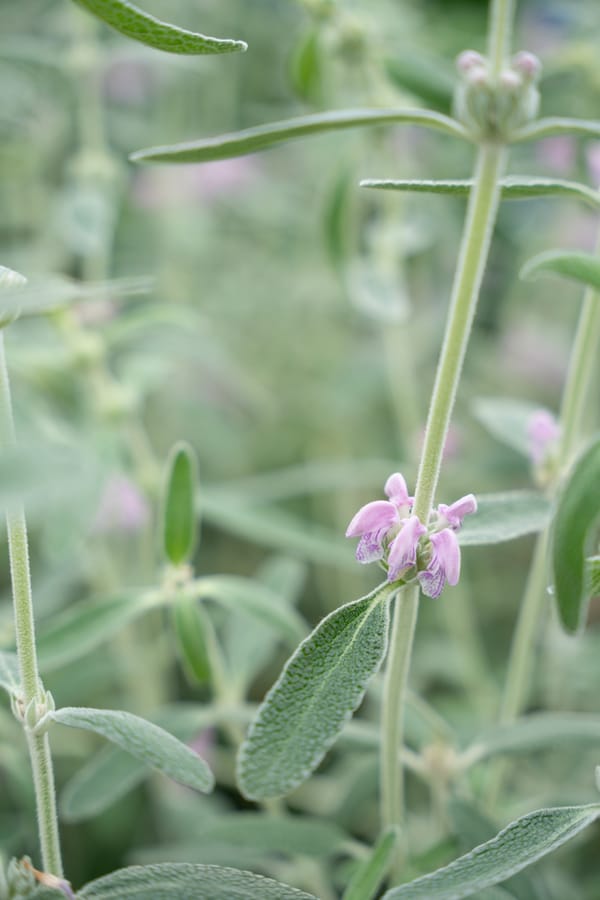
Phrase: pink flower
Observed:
(374, 522)
(444, 564)
(122, 507)
(403, 549)
(543, 432)
(454, 514)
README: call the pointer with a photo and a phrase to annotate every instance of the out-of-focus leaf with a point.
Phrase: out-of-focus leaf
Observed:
(263, 136)
(76, 631)
(515, 187)
(189, 628)
(542, 128)
(583, 268)
(240, 594)
(504, 517)
(133, 23)
(194, 882)
(178, 515)
(42, 295)
(144, 740)
(306, 68)
(10, 678)
(518, 845)
(593, 574)
(428, 79)
(369, 875)
(538, 731)
(578, 511)
(507, 420)
(338, 220)
(317, 692)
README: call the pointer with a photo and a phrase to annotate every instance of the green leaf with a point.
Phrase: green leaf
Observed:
(578, 510)
(240, 594)
(592, 565)
(504, 517)
(535, 732)
(142, 739)
(515, 187)
(263, 136)
(507, 420)
(179, 515)
(428, 79)
(518, 845)
(42, 295)
(189, 628)
(584, 268)
(317, 692)
(194, 882)
(339, 217)
(133, 23)
(551, 126)
(306, 68)
(369, 875)
(77, 631)
(10, 679)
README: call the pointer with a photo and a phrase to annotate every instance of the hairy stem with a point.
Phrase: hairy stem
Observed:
(32, 690)
(500, 35)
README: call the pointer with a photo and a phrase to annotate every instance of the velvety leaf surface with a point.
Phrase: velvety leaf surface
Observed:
(263, 136)
(192, 882)
(319, 688)
(518, 845)
(578, 511)
(534, 732)
(133, 23)
(504, 517)
(144, 740)
(179, 516)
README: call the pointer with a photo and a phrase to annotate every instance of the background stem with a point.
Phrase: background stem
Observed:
(500, 34)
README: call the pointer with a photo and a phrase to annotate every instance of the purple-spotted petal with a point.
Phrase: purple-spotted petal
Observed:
(396, 490)
(455, 513)
(403, 549)
(370, 546)
(373, 517)
(432, 582)
(444, 565)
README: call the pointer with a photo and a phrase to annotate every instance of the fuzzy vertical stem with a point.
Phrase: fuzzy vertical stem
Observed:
(39, 748)
(479, 225)
(500, 34)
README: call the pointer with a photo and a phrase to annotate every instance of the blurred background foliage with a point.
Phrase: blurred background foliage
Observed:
(290, 335)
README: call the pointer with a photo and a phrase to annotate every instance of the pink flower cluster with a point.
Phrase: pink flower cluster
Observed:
(389, 531)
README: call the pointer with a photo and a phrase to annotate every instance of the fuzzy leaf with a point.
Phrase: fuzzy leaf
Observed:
(578, 510)
(317, 692)
(584, 268)
(43, 295)
(507, 420)
(542, 128)
(518, 845)
(263, 136)
(428, 79)
(504, 517)
(178, 515)
(306, 69)
(194, 882)
(133, 23)
(593, 575)
(189, 629)
(142, 739)
(515, 187)
(369, 875)
(10, 679)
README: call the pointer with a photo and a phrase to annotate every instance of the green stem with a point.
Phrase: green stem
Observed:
(481, 216)
(33, 692)
(500, 34)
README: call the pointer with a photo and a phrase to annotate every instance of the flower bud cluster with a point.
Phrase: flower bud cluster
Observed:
(23, 881)
(33, 714)
(493, 107)
(409, 550)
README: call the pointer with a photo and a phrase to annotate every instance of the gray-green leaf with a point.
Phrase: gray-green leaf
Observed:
(263, 136)
(178, 513)
(317, 692)
(592, 565)
(542, 128)
(42, 295)
(514, 187)
(578, 510)
(507, 420)
(9, 672)
(369, 875)
(504, 517)
(194, 882)
(584, 268)
(134, 23)
(143, 740)
(518, 845)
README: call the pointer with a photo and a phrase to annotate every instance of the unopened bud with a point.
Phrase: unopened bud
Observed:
(469, 59)
(527, 65)
(510, 81)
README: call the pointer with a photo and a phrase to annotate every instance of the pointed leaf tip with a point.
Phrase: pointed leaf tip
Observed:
(179, 514)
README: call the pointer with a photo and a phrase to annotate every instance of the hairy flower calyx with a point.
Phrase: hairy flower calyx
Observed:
(408, 549)
(492, 108)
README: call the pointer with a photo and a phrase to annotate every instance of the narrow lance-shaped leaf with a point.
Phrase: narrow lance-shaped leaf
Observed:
(553, 125)
(179, 516)
(518, 845)
(263, 136)
(143, 740)
(317, 692)
(194, 882)
(42, 295)
(578, 511)
(593, 575)
(584, 268)
(516, 187)
(134, 23)
(189, 628)
(369, 875)
(504, 517)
